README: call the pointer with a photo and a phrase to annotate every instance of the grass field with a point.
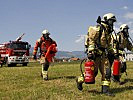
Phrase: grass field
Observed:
(25, 83)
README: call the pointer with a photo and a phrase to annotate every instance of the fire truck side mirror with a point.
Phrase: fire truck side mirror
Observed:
(29, 46)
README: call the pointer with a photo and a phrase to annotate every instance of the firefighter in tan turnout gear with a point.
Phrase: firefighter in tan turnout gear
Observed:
(99, 46)
(120, 41)
(47, 52)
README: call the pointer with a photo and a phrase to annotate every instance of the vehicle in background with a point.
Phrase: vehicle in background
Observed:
(14, 52)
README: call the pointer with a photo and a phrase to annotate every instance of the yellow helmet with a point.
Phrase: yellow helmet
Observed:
(123, 26)
(45, 32)
(109, 16)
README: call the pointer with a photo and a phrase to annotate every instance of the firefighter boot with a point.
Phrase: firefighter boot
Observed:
(45, 75)
(105, 90)
(79, 82)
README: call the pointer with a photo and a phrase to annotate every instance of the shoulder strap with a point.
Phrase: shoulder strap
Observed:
(101, 30)
(119, 37)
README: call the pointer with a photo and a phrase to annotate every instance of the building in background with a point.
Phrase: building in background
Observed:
(129, 56)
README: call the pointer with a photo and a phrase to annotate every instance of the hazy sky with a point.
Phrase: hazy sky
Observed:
(65, 19)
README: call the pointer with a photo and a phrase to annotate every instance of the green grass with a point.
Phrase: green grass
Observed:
(25, 83)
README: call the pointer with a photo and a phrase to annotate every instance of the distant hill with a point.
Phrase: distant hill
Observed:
(66, 54)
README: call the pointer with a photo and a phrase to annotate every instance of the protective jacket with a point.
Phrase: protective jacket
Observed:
(99, 38)
(99, 45)
(120, 42)
(99, 42)
(124, 42)
(43, 44)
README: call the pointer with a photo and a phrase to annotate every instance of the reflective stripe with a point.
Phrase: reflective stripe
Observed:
(107, 83)
(91, 47)
(81, 79)
(45, 73)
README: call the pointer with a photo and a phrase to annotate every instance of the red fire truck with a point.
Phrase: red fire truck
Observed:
(14, 52)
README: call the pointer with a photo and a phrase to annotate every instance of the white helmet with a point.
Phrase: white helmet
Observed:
(45, 32)
(123, 26)
(108, 16)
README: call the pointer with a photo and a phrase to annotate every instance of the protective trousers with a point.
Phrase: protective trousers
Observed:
(45, 66)
(103, 64)
(105, 70)
(123, 65)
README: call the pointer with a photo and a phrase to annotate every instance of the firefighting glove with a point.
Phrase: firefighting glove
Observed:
(123, 67)
(90, 53)
(91, 56)
(52, 52)
(34, 57)
(116, 56)
(99, 52)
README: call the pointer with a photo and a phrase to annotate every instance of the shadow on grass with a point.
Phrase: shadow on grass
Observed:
(116, 90)
(94, 92)
(113, 90)
(125, 81)
(21, 66)
(121, 89)
(67, 77)
(129, 80)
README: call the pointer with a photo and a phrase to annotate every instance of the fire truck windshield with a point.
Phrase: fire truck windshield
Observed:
(18, 46)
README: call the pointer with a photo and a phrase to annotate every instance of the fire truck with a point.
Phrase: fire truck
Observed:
(14, 52)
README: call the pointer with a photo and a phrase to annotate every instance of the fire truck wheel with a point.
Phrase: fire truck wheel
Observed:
(25, 64)
(9, 65)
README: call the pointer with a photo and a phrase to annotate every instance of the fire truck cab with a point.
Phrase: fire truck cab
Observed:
(14, 52)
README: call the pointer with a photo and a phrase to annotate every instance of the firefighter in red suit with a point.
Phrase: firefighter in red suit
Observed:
(44, 43)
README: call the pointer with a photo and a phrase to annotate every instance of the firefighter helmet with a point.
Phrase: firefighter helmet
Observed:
(45, 32)
(109, 16)
(123, 26)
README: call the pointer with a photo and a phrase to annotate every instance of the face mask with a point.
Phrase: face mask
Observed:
(111, 24)
(125, 31)
(46, 36)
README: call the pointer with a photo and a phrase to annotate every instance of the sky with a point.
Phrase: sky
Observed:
(66, 20)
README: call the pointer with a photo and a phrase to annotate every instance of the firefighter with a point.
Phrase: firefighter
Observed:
(121, 41)
(99, 45)
(44, 43)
